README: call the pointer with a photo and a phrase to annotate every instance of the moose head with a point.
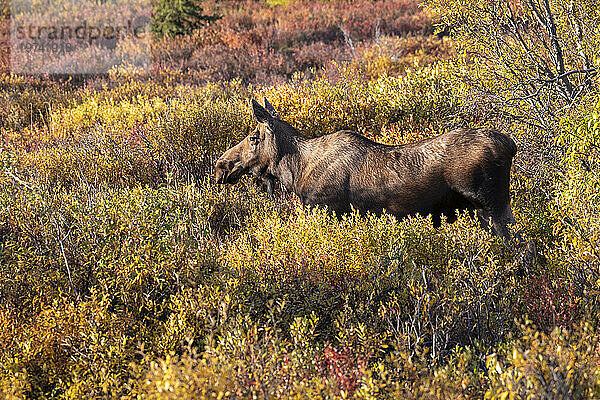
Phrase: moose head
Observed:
(255, 153)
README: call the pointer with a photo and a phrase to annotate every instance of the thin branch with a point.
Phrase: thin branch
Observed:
(589, 71)
(18, 180)
(62, 250)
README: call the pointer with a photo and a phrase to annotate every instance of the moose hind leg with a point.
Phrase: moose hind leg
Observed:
(436, 219)
(484, 219)
(498, 226)
(489, 195)
(501, 220)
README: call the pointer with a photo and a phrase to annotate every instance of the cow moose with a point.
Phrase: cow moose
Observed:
(464, 169)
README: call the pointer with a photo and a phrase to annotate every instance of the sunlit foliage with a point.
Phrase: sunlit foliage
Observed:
(126, 272)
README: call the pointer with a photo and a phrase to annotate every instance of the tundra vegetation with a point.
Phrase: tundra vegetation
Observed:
(125, 271)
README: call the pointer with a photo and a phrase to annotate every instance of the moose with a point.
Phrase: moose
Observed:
(464, 169)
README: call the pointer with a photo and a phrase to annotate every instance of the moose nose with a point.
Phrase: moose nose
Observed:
(220, 176)
(224, 164)
(222, 167)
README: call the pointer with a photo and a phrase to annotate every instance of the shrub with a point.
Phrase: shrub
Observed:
(28, 101)
(538, 366)
(147, 139)
(534, 59)
(259, 43)
(319, 107)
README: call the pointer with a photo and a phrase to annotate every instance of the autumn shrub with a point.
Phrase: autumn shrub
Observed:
(67, 241)
(393, 55)
(376, 336)
(253, 360)
(320, 106)
(259, 43)
(126, 254)
(578, 250)
(146, 139)
(534, 60)
(562, 364)
(187, 377)
(25, 101)
(405, 269)
(65, 348)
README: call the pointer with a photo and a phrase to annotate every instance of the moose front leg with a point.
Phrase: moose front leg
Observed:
(266, 183)
(269, 185)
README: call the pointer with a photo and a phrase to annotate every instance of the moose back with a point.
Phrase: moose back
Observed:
(465, 169)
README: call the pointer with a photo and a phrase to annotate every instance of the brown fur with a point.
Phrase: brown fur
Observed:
(462, 169)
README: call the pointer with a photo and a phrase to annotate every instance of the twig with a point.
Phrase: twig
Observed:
(62, 250)
(18, 180)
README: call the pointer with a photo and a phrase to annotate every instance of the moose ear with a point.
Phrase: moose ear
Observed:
(271, 109)
(261, 114)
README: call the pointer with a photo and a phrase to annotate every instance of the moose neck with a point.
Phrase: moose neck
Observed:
(289, 158)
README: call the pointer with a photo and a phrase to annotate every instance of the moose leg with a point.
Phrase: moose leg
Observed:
(449, 213)
(501, 220)
(494, 204)
(500, 217)
(451, 216)
(436, 220)
(484, 219)
(266, 183)
(269, 185)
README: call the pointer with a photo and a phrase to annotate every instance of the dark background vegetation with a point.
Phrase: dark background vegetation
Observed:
(126, 272)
